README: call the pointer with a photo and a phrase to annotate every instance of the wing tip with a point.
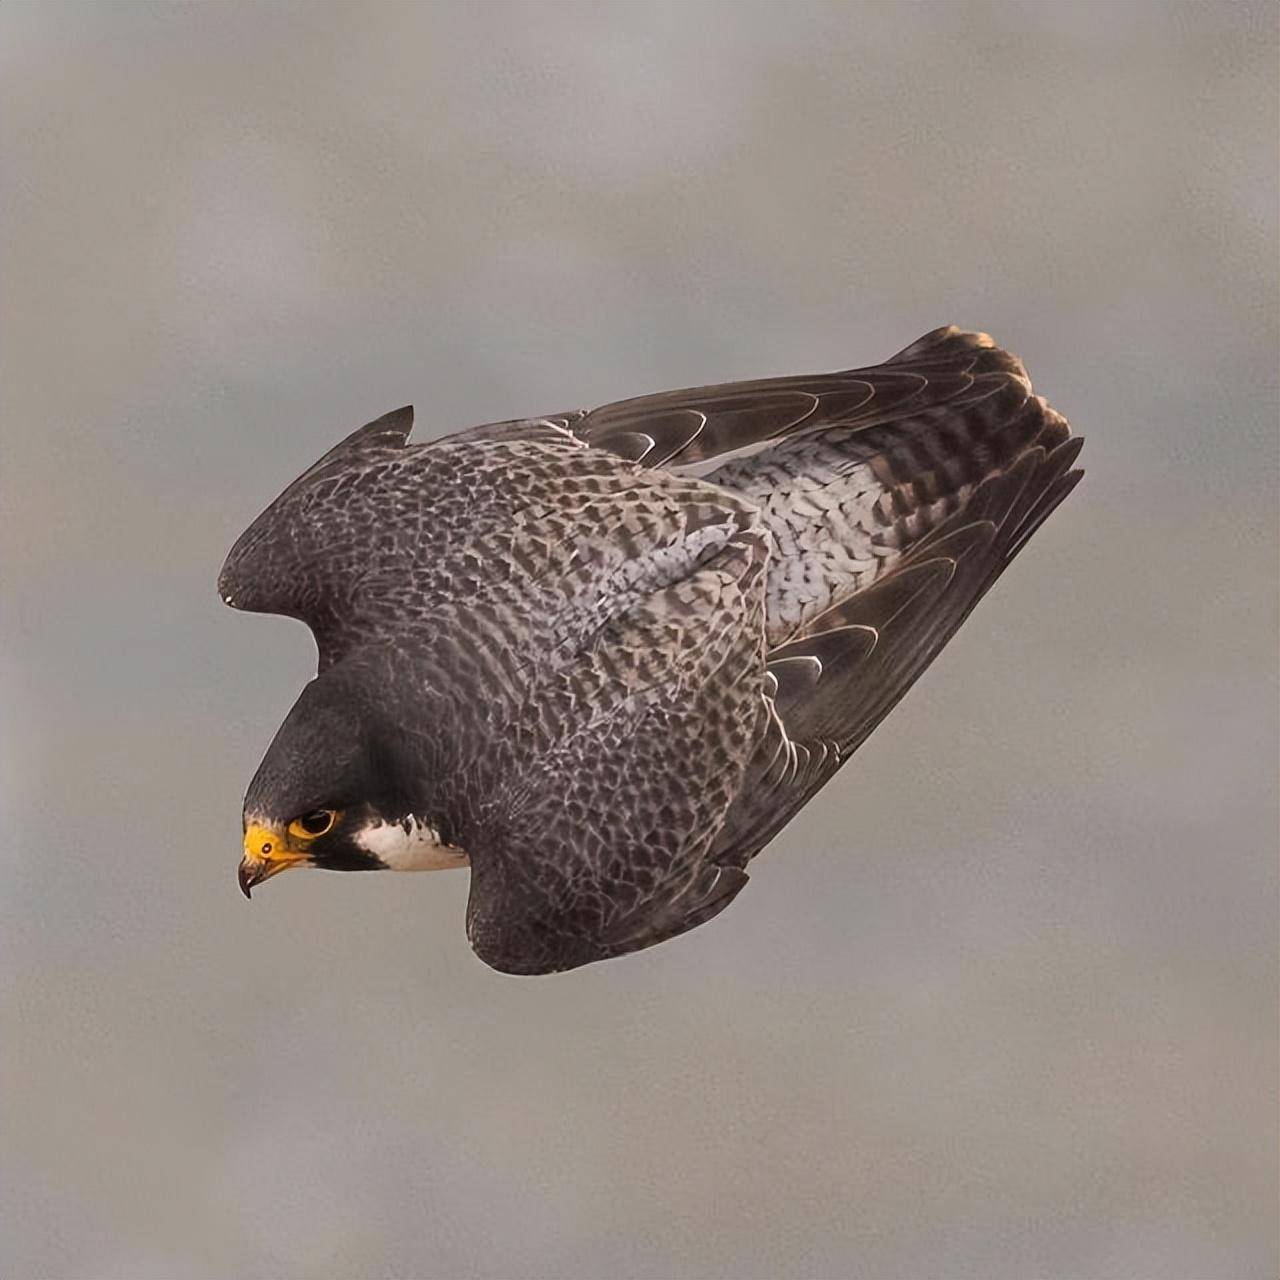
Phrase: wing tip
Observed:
(970, 349)
(227, 583)
(391, 429)
(947, 335)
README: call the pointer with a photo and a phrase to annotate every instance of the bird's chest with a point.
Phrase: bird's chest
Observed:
(411, 845)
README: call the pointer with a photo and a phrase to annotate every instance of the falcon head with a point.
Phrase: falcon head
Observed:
(333, 792)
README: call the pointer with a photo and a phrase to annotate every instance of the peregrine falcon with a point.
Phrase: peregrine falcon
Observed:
(602, 657)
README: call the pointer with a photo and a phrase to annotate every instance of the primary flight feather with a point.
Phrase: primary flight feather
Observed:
(603, 657)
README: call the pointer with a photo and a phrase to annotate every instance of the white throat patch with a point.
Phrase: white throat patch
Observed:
(410, 845)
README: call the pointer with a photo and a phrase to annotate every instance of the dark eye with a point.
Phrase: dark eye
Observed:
(316, 823)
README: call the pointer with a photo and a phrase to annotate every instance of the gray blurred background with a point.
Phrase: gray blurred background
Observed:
(1002, 1002)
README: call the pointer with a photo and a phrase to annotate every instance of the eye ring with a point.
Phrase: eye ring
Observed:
(310, 826)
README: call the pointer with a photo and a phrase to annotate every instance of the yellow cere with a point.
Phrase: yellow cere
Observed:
(262, 844)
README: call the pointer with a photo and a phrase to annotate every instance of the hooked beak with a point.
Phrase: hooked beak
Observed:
(266, 854)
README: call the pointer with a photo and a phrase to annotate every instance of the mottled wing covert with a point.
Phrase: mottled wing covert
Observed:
(280, 564)
(369, 538)
(596, 843)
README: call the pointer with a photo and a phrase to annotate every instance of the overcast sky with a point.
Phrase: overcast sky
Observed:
(1001, 1003)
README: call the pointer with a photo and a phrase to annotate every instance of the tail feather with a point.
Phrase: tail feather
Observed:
(893, 497)
(863, 651)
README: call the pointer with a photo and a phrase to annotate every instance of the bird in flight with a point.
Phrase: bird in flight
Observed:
(603, 657)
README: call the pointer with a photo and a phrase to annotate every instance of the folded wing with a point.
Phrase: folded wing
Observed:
(893, 497)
